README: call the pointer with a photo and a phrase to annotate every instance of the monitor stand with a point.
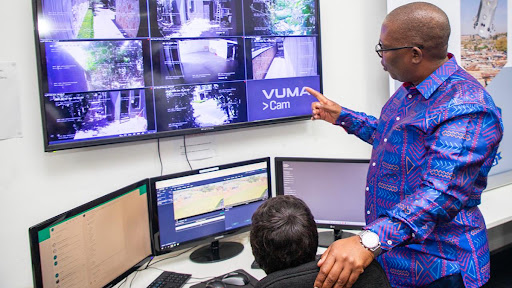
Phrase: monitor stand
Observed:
(325, 238)
(216, 251)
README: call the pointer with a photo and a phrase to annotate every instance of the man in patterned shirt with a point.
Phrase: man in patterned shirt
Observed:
(433, 147)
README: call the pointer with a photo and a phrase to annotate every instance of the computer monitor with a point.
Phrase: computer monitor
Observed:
(96, 244)
(334, 190)
(204, 205)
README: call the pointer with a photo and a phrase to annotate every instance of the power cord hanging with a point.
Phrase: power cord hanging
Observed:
(186, 154)
(160, 158)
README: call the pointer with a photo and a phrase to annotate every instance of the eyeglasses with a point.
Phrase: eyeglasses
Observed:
(379, 49)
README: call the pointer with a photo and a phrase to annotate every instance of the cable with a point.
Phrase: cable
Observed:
(147, 265)
(186, 154)
(156, 268)
(136, 271)
(160, 158)
(124, 281)
(174, 256)
(131, 282)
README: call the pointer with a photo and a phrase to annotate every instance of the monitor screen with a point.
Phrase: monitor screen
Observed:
(123, 70)
(334, 189)
(202, 206)
(94, 245)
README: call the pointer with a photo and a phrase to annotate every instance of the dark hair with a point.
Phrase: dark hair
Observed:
(283, 234)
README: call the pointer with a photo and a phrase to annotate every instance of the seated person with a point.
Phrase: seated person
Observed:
(284, 240)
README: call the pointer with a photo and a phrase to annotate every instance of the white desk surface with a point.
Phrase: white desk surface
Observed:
(200, 272)
(496, 208)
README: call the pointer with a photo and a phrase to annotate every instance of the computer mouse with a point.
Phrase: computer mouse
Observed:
(215, 284)
(236, 278)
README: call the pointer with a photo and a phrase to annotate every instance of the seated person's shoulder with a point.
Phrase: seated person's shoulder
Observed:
(301, 276)
(373, 276)
(304, 276)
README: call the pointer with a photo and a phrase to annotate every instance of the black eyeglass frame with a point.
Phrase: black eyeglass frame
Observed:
(379, 49)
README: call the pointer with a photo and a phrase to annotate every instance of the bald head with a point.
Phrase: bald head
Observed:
(420, 24)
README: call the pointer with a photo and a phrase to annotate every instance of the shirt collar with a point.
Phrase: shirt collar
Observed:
(428, 86)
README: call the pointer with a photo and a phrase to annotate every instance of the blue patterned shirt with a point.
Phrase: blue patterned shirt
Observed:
(433, 147)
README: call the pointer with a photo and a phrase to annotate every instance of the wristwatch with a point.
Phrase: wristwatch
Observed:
(370, 241)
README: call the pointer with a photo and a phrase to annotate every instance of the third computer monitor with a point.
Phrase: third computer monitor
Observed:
(204, 205)
(334, 190)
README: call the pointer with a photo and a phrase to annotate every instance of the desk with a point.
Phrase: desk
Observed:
(496, 207)
(200, 272)
(497, 210)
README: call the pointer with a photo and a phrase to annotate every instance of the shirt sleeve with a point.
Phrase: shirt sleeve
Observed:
(360, 124)
(457, 149)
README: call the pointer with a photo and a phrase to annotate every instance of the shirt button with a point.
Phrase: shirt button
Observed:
(409, 96)
(413, 235)
(367, 188)
(373, 164)
(342, 123)
(385, 139)
(368, 212)
(397, 118)
(389, 242)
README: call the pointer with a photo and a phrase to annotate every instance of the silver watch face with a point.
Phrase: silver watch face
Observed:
(370, 240)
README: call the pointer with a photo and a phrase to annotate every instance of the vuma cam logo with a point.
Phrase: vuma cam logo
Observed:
(280, 98)
(285, 92)
(282, 93)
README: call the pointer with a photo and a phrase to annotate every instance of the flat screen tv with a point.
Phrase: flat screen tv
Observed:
(334, 190)
(122, 70)
(96, 244)
(206, 205)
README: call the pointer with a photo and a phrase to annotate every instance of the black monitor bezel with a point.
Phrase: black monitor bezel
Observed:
(159, 134)
(278, 167)
(155, 232)
(34, 242)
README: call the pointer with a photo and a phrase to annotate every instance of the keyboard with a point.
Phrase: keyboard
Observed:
(170, 279)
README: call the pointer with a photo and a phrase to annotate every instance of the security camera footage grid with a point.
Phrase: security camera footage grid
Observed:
(126, 68)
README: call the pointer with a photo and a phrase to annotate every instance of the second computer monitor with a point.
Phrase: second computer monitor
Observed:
(334, 190)
(204, 205)
(93, 245)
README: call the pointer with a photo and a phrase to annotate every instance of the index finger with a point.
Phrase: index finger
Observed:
(319, 96)
(325, 270)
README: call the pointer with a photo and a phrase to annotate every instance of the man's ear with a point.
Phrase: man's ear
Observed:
(417, 55)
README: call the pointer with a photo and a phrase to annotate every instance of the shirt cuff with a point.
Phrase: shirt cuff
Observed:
(392, 232)
(342, 118)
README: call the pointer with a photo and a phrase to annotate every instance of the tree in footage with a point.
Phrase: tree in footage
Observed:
(286, 17)
(114, 64)
(180, 111)
(501, 44)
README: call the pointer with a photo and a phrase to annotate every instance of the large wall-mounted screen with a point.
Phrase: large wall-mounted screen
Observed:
(122, 70)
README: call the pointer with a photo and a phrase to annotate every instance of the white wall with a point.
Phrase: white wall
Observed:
(35, 185)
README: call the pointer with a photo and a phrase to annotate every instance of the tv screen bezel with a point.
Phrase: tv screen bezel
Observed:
(34, 230)
(278, 167)
(155, 232)
(116, 139)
